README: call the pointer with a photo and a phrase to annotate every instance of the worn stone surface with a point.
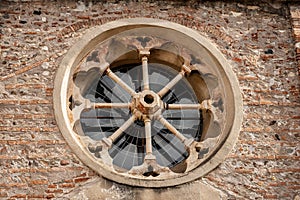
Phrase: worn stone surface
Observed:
(260, 42)
(109, 190)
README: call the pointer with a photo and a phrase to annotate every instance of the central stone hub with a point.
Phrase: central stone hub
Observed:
(146, 103)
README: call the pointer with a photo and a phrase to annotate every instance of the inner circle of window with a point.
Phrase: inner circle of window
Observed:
(117, 76)
(129, 150)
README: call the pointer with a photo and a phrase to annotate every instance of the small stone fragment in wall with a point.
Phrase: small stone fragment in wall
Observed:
(80, 6)
(45, 65)
(271, 82)
(235, 14)
(45, 48)
(291, 74)
(4, 54)
(46, 73)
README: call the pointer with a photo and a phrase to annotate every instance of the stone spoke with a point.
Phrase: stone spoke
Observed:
(171, 84)
(185, 70)
(145, 73)
(206, 104)
(119, 81)
(119, 132)
(187, 142)
(111, 105)
(148, 136)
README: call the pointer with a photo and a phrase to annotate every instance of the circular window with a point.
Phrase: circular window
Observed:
(147, 102)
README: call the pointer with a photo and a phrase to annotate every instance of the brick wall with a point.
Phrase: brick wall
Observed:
(257, 39)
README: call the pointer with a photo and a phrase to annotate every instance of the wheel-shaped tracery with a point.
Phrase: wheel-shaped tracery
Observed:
(148, 103)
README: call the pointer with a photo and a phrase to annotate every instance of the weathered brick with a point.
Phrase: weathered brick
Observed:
(16, 185)
(39, 182)
(285, 170)
(64, 162)
(9, 157)
(52, 186)
(277, 184)
(270, 196)
(243, 171)
(67, 185)
(49, 196)
(35, 196)
(54, 191)
(19, 196)
(79, 180)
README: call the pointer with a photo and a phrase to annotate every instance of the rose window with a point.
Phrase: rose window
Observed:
(147, 102)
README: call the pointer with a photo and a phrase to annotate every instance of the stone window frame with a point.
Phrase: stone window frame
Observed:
(86, 44)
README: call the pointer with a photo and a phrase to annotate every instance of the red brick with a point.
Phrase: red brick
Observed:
(64, 162)
(54, 191)
(244, 171)
(49, 91)
(29, 67)
(79, 180)
(19, 196)
(266, 102)
(278, 170)
(38, 23)
(294, 187)
(49, 196)
(69, 181)
(237, 59)
(8, 101)
(67, 185)
(52, 186)
(27, 170)
(270, 196)
(35, 196)
(249, 78)
(39, 182)
(82, 175)
(277, 184)
(9, 157)
(18, 142)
